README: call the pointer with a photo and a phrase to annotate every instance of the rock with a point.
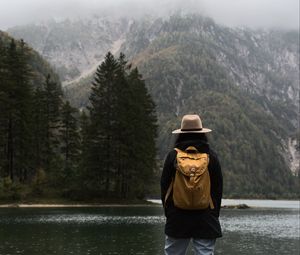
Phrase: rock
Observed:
(240, 206)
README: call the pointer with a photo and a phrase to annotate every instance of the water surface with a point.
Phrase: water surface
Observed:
(138, 230)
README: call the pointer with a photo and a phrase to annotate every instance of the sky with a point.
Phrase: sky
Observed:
(282, 14)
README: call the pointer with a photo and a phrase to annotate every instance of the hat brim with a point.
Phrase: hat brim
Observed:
(203, 130)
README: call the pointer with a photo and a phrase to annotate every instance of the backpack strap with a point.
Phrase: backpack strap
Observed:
(171, 184)
(177, 150)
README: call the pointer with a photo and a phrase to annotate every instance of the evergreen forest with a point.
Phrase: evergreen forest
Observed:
(51, 151)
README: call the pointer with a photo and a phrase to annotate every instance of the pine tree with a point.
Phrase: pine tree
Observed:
(16, 92)
(3, 108)
(142, 135)
(52, 101)
(122, 130)
(25, 106)
(40, 129)
(102, 121)
(84, 176)
(120, 153)
(69, 136)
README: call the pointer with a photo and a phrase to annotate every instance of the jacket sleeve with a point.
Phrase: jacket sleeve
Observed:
(216, 182)
(167, 175)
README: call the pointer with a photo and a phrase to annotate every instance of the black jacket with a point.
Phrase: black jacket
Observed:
(193, 223)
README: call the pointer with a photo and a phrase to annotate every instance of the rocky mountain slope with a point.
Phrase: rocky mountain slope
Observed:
(74, 47)
(244, 83)
(264, 65)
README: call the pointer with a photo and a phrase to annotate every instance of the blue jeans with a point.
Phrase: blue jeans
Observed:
(178, 246)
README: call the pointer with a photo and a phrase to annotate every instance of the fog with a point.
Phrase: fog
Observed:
(282, 14)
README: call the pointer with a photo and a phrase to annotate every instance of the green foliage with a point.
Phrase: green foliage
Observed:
(16, 103)
(38, 182)
(29, 120)
(119, 139)
(44, 153)
(12, 191)
(70, 142)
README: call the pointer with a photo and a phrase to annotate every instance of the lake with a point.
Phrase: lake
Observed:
(139, 230)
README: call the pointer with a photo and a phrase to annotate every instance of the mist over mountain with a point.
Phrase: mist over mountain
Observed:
(243, 82)
(74, 47)
(255, 14)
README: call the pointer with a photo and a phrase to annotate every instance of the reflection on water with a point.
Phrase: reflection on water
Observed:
(271, 223)
(130, 230)
(86, 219)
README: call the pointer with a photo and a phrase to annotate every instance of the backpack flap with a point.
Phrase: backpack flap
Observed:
(190, 162)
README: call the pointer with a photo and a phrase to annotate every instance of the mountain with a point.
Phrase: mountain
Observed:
(244, 83)
(263, 64)
(74, 46)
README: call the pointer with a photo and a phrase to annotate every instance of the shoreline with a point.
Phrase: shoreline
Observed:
(255, 203)
(226, 204)
(74, 205)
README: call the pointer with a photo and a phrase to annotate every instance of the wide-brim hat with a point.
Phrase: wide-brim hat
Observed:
(191, 123)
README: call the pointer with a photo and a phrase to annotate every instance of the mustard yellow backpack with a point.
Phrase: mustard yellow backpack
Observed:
(191, 185)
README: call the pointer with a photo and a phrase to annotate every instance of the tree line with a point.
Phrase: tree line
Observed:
(50, 149)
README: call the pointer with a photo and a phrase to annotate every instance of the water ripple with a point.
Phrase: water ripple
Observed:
(86, 219)
(276, 225)
(271, 223)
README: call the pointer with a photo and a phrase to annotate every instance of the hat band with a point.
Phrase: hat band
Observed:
(194, 129)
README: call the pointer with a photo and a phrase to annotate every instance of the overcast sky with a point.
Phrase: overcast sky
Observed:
(251, 13)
